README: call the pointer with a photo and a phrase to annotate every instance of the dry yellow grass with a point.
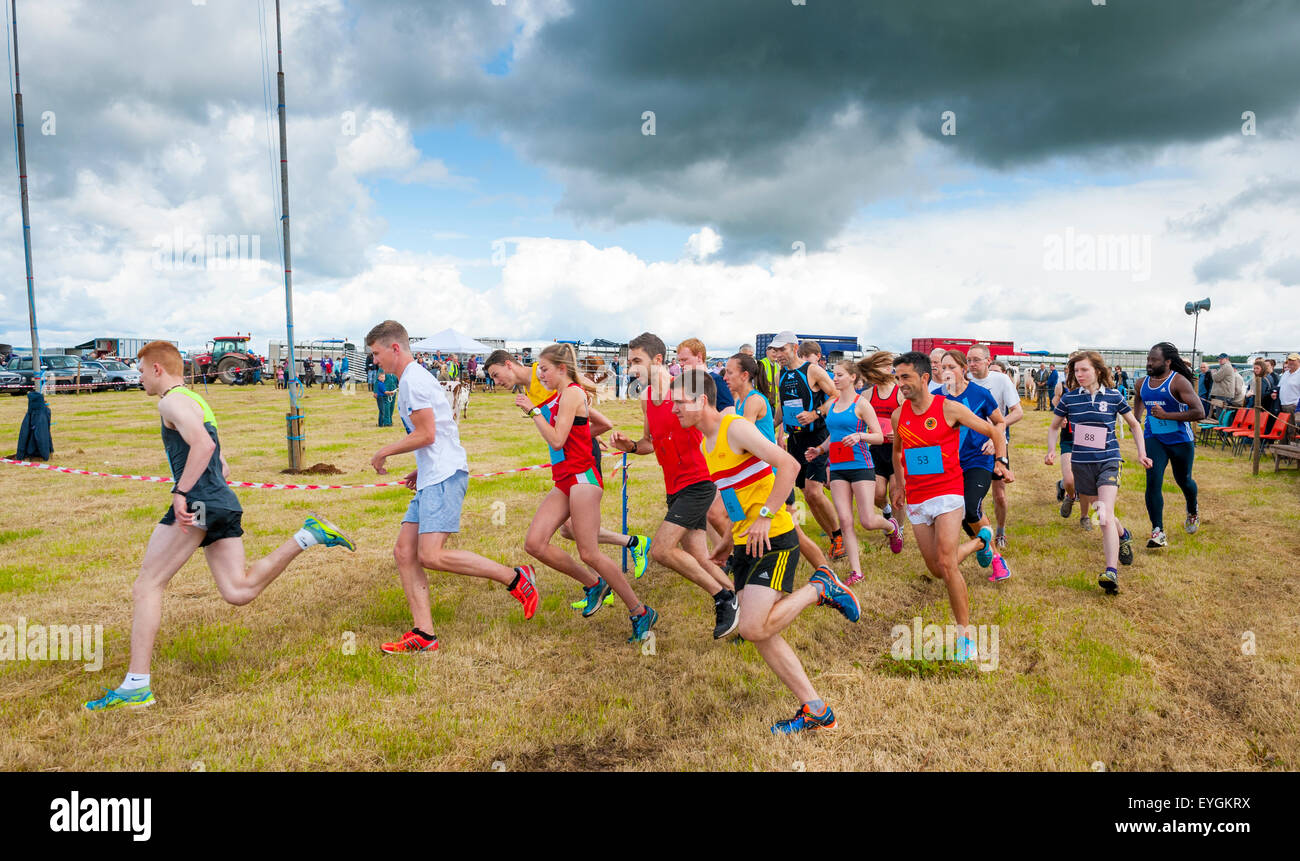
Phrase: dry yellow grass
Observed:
(1153, 679)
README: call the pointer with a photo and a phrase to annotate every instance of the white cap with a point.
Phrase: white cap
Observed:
(783, 338)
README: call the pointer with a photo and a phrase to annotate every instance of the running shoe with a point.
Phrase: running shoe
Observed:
(965, 651)
(853, 577)
(1067, 504)
(1157, 539)
(1060, 490)
(1109, 581)
(1001, 541)
(833, 592)
(137, 699)
(595, 597)
(327, 533)
(837, 547)
(411, 642)
(984, 555)
(1000, 569)
(525, 592)
(1085, 523)
(1126, 548)
(581, 603)
(1191, 524)
(640, 556)
(642, 624)
(896, 537)
(726, 615)
(804, 719)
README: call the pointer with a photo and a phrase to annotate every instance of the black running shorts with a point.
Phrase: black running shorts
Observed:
(689, 507)
(219, 523)
(774, 569)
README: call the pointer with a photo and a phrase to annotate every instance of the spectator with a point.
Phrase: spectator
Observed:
(1053, 377)
(747, 349)
(327, 368)
(471, 371)
(343, 370)
(279, 376)
(618, 382)
(1040, 385)
(386, 398)
(1203, 387)
(1228, 387)
(1267, 389)
(1288, 393)
(308, 371)
(1121, 381)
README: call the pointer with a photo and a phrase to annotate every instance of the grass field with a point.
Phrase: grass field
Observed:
(1155, 678)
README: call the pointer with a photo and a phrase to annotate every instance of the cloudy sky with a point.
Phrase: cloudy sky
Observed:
(1057, 172)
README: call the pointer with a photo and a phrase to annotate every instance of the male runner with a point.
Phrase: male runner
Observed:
(204, 513)
(504, 370)
(1168, 394)
(805, 391)
(680, 542)
(440, 479)
(741, 461)
(927, 443)
(1008, 399)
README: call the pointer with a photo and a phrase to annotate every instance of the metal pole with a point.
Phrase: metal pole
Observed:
(625, 509)
(1196, 330)
(38, 378)
(293, 421)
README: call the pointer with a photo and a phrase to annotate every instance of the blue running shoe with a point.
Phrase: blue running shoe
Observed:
(805, 719)
(965, 651)
(581, 603)
(112, 699)
(640, 556)
(327, 533)
(984, 556)
(835, 593)
(595, 597)
(642, 624)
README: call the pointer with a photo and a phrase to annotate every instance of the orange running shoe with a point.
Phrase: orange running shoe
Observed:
(837, 547)
(526, 590)
(411, 642)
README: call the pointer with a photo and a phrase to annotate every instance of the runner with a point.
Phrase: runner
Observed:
(741, 374)
(1008, 400)
(742, 460)
(440, 479)
(680, 542)
(204, 512)
(1168, 393)
(978, 454)
(936, 356)
(804, 389)
(1093, 406)
(852, 425)
(1065, 486)
(927, 440)
(885, 398)
(504, 371)
(564, 424)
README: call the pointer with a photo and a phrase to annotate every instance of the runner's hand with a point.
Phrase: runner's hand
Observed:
(1160, 412)
(757, 541)
(182, 511)
(522, 401)
(807, 417)
(1146, 462)
(620, 441)
(378, 463)
(1004, 471)
(811, 454)
(987, 448)
(1049, 458)
(409, 479)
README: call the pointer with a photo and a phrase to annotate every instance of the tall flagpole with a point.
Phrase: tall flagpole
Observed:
(38, 379)
(293, 421)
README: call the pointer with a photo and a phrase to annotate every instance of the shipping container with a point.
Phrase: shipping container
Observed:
(997, 349)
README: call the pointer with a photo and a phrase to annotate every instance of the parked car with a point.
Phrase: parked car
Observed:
(59, 371)
(117, 374)
(11, 382)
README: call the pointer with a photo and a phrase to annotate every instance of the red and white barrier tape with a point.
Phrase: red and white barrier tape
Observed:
(255, 484)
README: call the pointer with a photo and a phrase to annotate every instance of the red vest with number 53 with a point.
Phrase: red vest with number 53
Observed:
(930, 432)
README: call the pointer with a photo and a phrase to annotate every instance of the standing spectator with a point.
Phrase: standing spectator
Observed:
(327, 368)
(1053, 377)
(471, 371)
(1288, 393)
(1267, 389)
(1121, 381)
(1203, 387)
(386, 398)
(343, 370)
(308, 371)
(618, 383)
(1228, 387)
(279, 375)
(1040, 385)
(372, 372)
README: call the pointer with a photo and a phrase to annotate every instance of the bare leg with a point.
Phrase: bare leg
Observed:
(764, 613)
(553, 511)
(1111, 528)
(226, 561)
(842, 497)
(938, 545)
(170, 547)
(666, 551)
(584, 504)
(822, 510)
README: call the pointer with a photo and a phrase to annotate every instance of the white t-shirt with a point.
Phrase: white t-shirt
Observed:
(418, 390)
(1289, 389)
(1002, 389)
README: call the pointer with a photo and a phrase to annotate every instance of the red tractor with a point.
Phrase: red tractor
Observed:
(225, 359)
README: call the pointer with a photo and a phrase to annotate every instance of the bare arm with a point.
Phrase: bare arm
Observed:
(186, 417)
(566, 412)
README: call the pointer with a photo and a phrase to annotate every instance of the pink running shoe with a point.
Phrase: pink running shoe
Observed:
(896, 537)
(1000, 569)
(852, 578)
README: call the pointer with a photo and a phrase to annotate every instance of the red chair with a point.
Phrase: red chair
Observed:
(1246, 435)
(1225, 434)
(1275, 434)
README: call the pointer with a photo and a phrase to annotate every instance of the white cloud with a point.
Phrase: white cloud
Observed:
(702, 245)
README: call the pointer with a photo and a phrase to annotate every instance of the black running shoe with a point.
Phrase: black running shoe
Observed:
(1109, 581)
(1060, 490)
(727, 616)
(1126, 548)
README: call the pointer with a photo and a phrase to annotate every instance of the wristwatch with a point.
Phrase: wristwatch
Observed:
(766, 512)
(1004, 461)
(535, 411)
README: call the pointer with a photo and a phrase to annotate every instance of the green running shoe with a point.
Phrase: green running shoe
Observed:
(327, 533)
(640, 556)
(112, 699)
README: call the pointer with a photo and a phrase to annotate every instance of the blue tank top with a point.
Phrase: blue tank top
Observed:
(839, 424)
(766, 426)
(1164, 430)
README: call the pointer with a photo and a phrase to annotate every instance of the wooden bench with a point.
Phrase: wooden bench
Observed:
(1285, 452)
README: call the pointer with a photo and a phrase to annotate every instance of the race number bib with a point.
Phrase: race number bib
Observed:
(1090, 436)
(840, 453)
(790, 409)
(1164, 425)
(731, 502)
(923, 461)
(886, 427)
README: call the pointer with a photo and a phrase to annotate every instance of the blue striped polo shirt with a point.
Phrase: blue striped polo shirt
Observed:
(1097, 410)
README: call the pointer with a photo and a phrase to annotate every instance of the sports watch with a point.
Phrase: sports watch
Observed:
(766, 512)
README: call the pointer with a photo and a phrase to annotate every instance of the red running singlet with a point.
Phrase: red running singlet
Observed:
(575, 459)
(884, 407)
(676, 448)
(931, 457)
